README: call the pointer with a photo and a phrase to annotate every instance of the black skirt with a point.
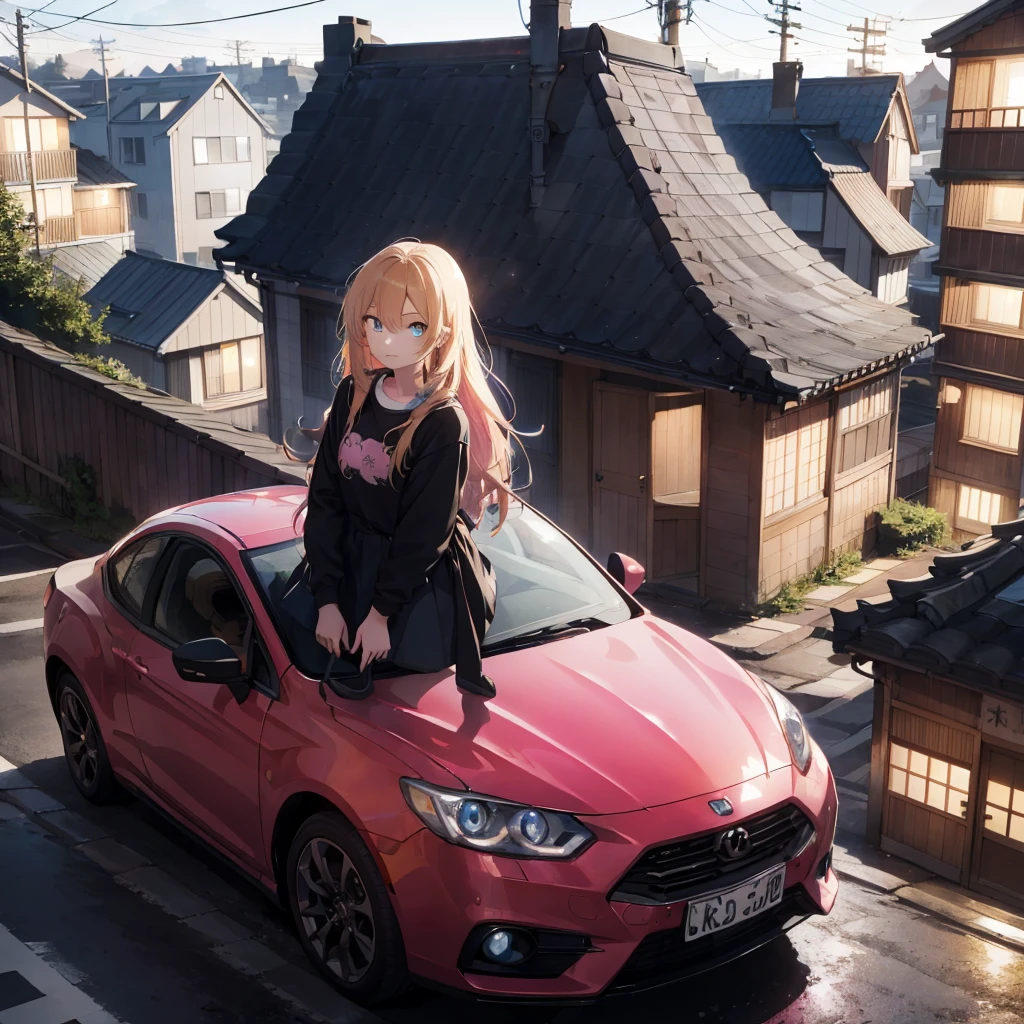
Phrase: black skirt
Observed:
(442, 625)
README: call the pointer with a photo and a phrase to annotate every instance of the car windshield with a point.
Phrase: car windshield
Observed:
(543, 580)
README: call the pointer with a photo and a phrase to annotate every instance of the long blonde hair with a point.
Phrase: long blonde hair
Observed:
(431, 280)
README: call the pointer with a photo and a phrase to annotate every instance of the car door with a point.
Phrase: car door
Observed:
(127, 577)
(200, 746)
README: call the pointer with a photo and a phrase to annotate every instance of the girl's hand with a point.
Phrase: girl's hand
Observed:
(331, 631)
(373, 637)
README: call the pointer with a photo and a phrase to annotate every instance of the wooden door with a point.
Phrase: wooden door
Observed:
(676, 474)
(623, 510)
(929, 764)
(998, 862)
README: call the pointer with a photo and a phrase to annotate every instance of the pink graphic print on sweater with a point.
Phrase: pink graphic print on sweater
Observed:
(367, 457)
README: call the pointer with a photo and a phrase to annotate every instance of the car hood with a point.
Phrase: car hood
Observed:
(624, 717)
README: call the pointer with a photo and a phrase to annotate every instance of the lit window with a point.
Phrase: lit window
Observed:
(928, 780)
(233, 367)
(979, 506)
(200, 154)
(795, 451)
(1008, 85)
(994, 304)
(1005, 204)
(1004, 810)
(992, 418)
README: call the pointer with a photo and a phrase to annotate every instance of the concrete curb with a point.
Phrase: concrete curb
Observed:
(65, 542)
(232, 942)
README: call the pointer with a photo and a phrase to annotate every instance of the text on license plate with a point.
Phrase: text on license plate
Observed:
(734, 905)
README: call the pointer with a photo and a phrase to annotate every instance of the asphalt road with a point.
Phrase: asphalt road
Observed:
(873, 961)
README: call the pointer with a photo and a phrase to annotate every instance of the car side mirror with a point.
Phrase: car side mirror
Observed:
(211, 660)
(626, 571)
(207, 661)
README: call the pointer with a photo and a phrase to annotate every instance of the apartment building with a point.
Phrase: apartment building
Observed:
(79, 195)
(195, 147)
(976, 466)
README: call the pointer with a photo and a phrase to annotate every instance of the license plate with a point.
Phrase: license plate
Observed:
(732, 906)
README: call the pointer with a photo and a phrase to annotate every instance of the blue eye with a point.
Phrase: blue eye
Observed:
(417, 330)
(374, 323)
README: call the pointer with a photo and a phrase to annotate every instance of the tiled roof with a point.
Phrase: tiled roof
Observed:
(94, 171)
(18, 79)
(959, 30)
(649, 248)
(772, 155)
(888, 228)
(151, 298)
(964, 621)
(858, 105)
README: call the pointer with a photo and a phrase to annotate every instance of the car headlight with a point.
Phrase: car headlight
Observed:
(495, 826)
(792, 723)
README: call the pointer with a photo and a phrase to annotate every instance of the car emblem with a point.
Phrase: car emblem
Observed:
(722, 807)
(733, 844)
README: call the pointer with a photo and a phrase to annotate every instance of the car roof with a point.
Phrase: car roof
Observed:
(256, 517)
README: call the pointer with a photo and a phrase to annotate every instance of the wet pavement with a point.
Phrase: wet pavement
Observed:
(874, 960)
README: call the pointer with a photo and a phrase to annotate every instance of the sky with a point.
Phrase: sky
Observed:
(728, 33)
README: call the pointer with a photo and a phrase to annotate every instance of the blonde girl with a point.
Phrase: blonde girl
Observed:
(413, 449)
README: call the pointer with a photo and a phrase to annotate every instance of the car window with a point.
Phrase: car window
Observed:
(542, 580)
(133, 571)
(198, 599)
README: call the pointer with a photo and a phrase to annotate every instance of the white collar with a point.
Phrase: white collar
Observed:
(387, 402)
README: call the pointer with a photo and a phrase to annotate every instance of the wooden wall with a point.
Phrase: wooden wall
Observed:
(984, 149)
(150, 452)
(993, 353)
(575, 470)
(731, 504)
(1005, 33)
(993, 252)
(841, 231)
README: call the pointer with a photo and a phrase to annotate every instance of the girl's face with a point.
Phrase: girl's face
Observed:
(396, 349)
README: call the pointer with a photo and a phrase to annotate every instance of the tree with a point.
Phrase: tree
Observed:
(60, 66)
(32, 295)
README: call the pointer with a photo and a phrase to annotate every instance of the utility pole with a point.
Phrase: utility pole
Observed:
(669, 16)
(867, 47)
(783, 8)
(28, 126)
(238, 46)
(102, 51)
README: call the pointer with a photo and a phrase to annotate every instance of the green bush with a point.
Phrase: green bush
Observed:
(906, 526)
(110, 367)
(32, 295)
(789, 599)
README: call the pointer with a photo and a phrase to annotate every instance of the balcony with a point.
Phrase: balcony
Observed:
(50, 164)
(82, 225)
(987, 117)
(58, 229)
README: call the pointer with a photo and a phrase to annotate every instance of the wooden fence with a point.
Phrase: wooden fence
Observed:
(150, 451)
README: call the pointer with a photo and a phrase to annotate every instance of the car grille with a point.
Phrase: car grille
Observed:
(688, 867)
(666, 956)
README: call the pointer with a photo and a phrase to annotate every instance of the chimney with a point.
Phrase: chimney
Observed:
(785, 86)
(269, 62)
(547, 18)
(343, 39)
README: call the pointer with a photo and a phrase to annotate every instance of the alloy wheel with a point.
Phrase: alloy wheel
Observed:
(335, 910)
(80, 738)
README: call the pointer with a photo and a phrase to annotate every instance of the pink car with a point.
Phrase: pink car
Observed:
(632, 808)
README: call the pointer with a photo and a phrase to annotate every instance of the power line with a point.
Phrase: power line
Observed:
(178, 24)
(71, 21)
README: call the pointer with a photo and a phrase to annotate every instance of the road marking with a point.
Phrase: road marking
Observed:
(24, 575)
(38, 993)
(21, 627)
(849, 743)
(856, 691)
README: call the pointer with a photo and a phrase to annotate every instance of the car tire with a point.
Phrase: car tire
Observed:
(84, 749)
(346, 923)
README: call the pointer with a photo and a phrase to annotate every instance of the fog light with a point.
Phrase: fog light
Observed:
(500, 948)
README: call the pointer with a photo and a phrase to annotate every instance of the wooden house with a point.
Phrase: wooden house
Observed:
(192, 332)
(946, 788)
(832, 157)
(976, 469)
(717, 399)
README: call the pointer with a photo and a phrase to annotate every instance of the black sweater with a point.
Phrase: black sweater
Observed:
(417, 512)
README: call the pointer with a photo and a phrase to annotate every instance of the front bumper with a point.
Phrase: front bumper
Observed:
(442, 892)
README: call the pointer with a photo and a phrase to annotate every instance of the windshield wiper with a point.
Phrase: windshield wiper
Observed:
(556, 631)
